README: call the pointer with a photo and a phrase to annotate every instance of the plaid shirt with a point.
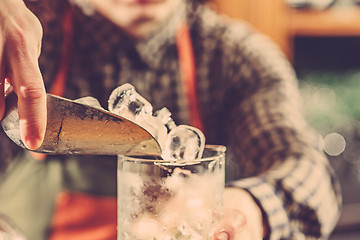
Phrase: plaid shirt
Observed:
(248, 96)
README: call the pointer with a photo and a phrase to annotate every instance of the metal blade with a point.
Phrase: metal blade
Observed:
(75, 128)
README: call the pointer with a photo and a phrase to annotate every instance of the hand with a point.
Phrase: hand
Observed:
(20, 43)
(242, 218)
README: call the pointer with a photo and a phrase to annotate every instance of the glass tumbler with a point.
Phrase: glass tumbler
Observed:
(168, 200)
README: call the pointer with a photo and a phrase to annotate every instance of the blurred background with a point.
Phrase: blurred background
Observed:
(321, 38)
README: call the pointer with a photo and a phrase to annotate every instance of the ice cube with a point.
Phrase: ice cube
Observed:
(146, 227)
(195, 202)
(126, 102)
(184, 143)
(89, 101)
(187, 232)
(176, 180)
(154, 126)
(165, 116)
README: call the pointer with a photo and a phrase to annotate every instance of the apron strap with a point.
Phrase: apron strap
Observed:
(59, 84)
(188, 74)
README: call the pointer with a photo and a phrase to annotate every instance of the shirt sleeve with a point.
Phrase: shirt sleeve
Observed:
(286, 172)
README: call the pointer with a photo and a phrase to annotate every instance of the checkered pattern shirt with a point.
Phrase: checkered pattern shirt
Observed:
(248, 96)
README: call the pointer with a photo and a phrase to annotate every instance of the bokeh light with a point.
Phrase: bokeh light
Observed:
(334, 144)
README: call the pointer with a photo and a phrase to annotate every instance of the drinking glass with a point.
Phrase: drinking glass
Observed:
(168, 200)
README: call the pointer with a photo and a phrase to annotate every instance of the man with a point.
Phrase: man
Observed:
(218, 75)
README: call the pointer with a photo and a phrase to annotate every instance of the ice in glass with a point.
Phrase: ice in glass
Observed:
(168, 200)
(175, 196)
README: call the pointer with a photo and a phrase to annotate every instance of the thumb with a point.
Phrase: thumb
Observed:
(234, 221)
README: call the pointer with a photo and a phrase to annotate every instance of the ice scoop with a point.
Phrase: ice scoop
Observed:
(75, 128)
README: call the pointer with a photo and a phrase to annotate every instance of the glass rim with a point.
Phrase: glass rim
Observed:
(219, 149)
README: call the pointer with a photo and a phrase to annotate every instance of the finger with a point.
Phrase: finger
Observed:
(223, 235)
(233, 223)
(29, 87)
